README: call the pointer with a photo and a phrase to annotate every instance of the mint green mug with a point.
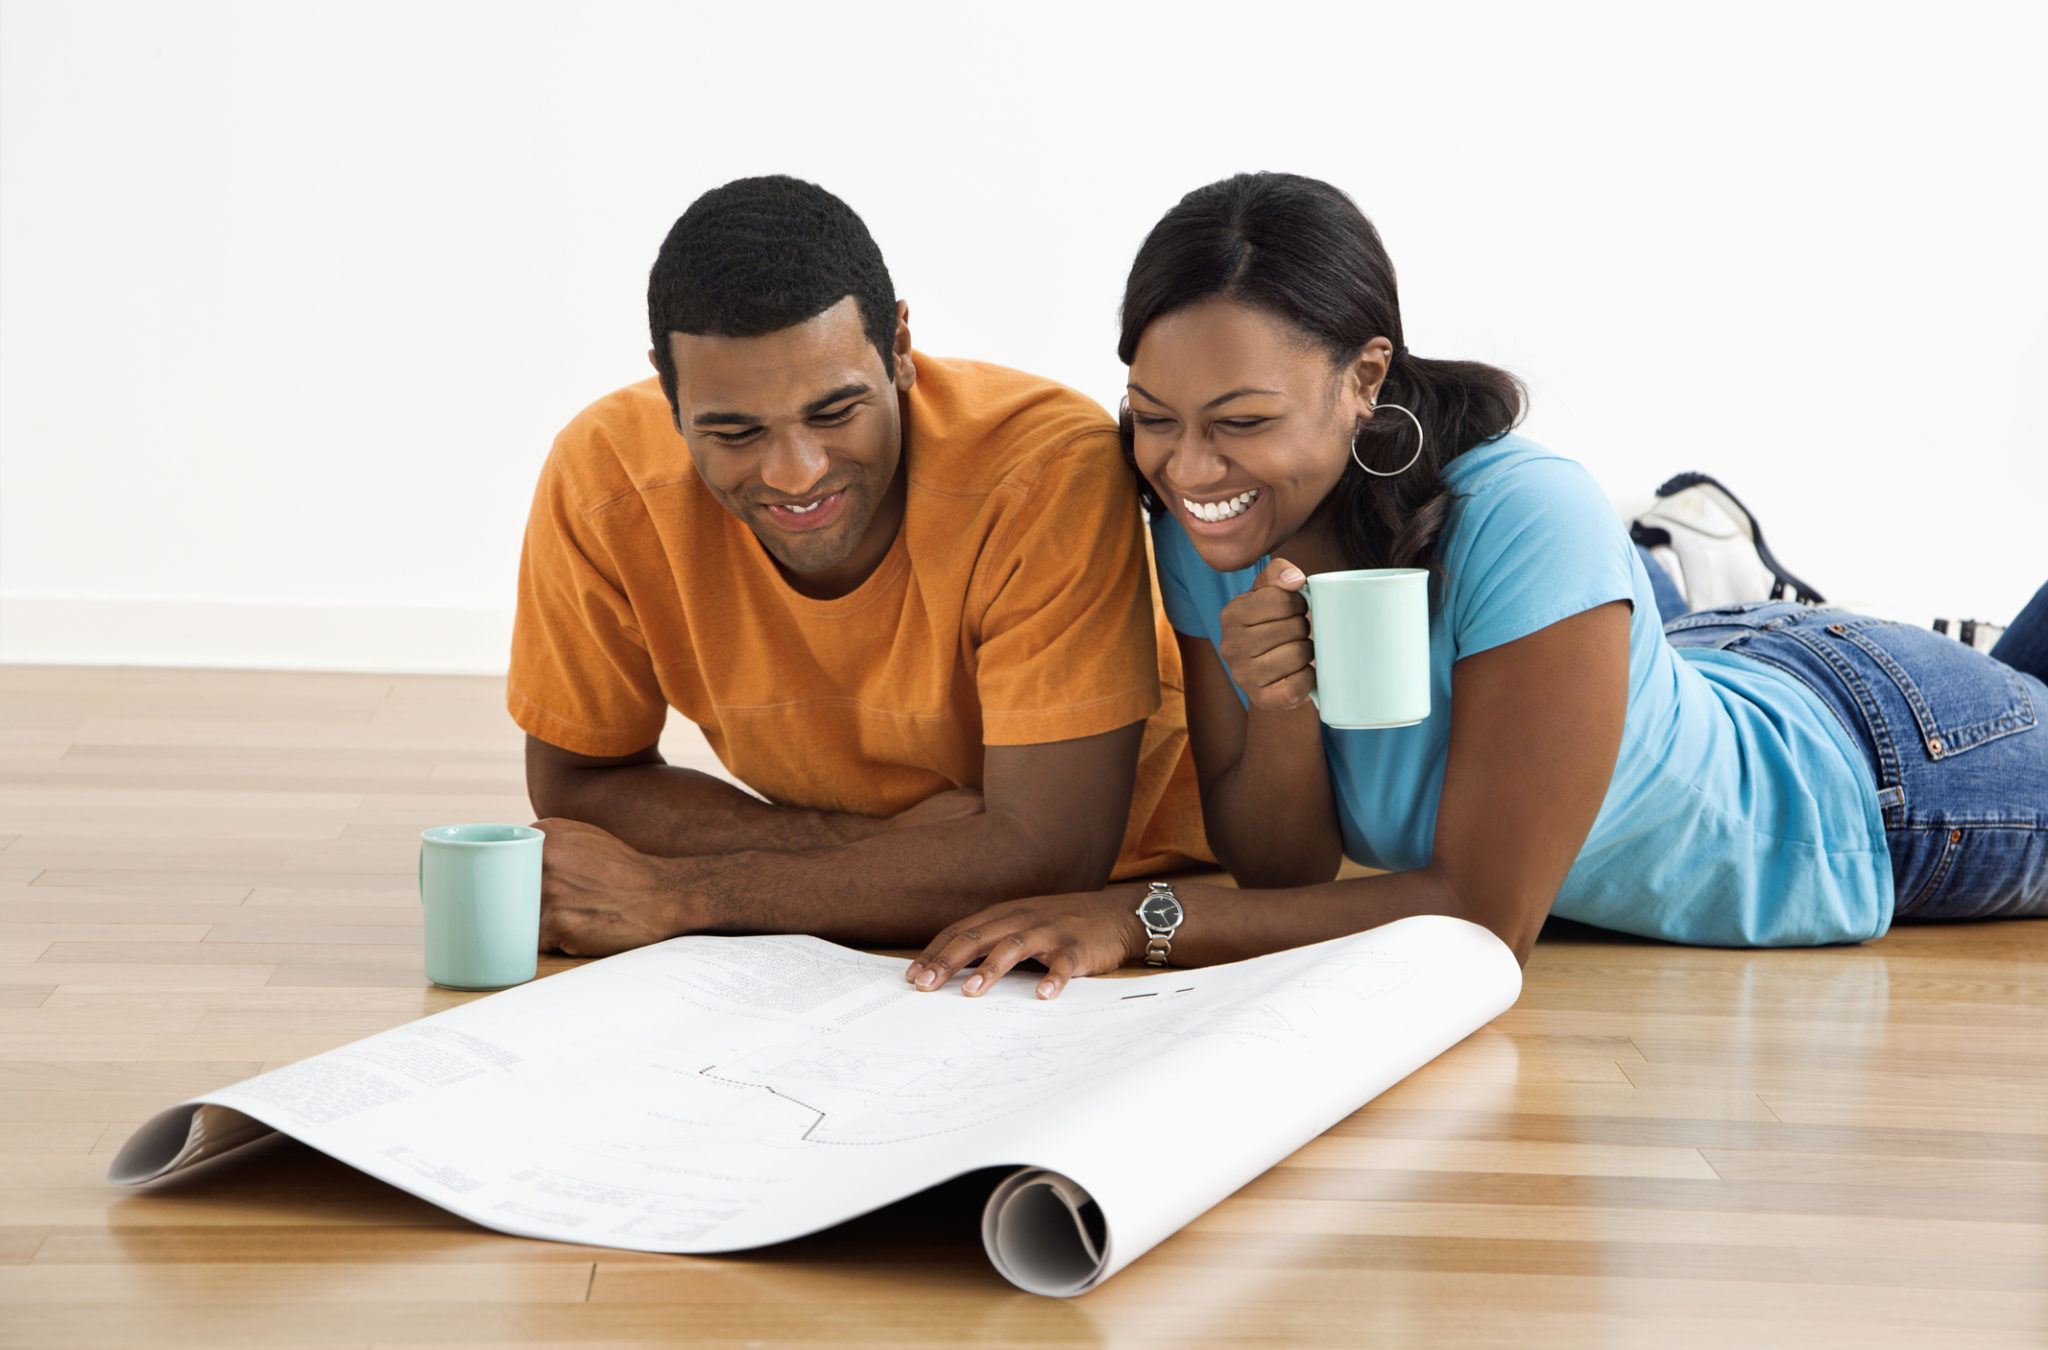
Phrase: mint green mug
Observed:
(1371, 634)
(480, 888)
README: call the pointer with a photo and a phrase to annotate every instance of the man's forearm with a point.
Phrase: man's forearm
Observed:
(893, 889)
(672, 812)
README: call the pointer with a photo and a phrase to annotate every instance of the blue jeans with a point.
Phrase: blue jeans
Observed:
(1670, 601)
(1957, 742)
(2024, 646)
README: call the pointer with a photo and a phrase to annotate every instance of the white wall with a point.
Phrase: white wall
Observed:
(293, 297)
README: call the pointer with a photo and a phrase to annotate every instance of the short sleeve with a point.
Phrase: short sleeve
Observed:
(1067, 645)
(1533, 542)
(580, 677)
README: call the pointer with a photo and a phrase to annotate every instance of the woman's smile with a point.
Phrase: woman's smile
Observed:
(1211, 515)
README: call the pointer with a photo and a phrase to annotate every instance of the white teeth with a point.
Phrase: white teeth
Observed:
(1214, 512)
(803, 510)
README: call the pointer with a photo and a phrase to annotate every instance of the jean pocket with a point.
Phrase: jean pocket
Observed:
(1960, 698)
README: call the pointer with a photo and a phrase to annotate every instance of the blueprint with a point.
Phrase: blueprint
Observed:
(709, 1094)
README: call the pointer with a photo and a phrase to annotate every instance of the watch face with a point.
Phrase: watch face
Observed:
(1160, 911)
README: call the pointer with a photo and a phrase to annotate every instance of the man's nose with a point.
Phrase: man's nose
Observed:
(794, 465)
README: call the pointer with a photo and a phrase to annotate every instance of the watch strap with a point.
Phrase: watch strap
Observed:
(1159, 941)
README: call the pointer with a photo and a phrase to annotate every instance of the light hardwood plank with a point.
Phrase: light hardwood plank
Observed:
(204, 873)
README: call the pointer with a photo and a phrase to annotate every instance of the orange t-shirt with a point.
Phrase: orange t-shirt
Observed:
(1016, 607)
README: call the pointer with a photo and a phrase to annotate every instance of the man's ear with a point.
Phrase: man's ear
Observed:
(906, 365)
(675, 414)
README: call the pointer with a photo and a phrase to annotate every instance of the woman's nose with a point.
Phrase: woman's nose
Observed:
(1192, 465)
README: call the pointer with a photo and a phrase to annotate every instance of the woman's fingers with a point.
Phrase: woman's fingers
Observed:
(1060, 967)
(1289, 693)
(1242, 648)
(1282, 575)
(1007, 952)
(1070, 935)
(1265, 606)
(959, 947)
(1278, 664)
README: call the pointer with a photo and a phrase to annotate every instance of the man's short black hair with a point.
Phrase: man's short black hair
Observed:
(763, 254)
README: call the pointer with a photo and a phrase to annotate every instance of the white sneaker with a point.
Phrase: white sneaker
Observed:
(1713, 547)
(1982, 636)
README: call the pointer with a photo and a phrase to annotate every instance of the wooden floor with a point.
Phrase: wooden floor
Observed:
(204, 874)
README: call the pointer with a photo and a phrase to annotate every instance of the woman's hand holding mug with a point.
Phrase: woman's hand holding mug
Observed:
(1265, 640)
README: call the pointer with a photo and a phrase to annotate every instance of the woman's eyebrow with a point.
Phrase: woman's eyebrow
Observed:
(1215, 402)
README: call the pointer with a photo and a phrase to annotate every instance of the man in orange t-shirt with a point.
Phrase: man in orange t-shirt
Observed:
(907, 599)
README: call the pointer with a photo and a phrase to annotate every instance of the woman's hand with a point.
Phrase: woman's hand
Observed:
(1265, 639)
(1069, 935)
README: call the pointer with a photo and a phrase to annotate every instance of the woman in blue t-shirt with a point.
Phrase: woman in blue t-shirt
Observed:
(1756, 775)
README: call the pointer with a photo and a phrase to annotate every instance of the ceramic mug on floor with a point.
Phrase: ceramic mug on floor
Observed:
(480, 887)
(1371, 632)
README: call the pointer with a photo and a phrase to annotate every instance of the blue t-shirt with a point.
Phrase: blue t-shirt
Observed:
(1740, 812)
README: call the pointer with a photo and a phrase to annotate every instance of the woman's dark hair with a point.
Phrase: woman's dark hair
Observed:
(1303, 251)
(763, 254)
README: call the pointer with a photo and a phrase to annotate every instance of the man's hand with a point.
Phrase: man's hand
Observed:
(599, 896)
(956, 804)
(1082, 934)
(1264, 640)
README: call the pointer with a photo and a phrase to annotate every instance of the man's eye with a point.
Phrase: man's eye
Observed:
(837, 417)
(734, 437)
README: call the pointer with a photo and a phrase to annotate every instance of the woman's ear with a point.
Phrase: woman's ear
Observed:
(1365, 373)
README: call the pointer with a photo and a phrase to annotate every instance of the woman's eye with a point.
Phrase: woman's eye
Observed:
(1149, 423)
(1244, 423)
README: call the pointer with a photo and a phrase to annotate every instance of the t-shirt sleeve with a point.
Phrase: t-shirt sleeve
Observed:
(1174, 554)
(580, 677)
(1067, 645)
(1538, 543)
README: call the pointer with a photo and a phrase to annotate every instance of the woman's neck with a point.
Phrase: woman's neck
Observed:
(1314, 547)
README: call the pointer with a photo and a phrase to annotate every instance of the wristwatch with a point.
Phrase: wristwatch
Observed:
(1161, 914)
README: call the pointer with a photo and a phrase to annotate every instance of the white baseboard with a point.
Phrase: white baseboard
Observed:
(396, 639)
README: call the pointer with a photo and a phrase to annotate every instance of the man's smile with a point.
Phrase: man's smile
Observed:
(808, 513)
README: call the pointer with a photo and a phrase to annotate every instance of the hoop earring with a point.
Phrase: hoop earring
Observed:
(1419, 439)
